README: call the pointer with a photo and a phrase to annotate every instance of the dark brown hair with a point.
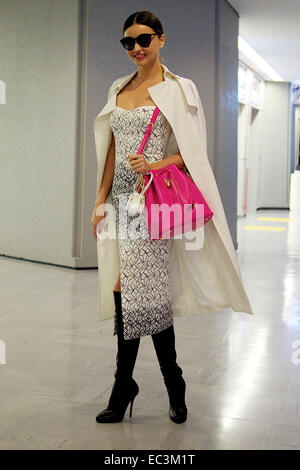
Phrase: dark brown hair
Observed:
(148, 19)
(144, 17)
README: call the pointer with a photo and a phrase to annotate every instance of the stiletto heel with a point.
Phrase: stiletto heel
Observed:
(130, 411)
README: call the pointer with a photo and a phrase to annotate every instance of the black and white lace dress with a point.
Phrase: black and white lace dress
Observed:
(144, 263)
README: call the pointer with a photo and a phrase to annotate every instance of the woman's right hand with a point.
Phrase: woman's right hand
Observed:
(96, 219)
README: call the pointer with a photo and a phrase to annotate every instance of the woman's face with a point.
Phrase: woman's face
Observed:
(149, 54)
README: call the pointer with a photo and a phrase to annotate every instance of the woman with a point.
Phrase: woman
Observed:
(153, 279)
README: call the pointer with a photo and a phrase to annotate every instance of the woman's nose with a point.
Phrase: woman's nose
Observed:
(137, 48)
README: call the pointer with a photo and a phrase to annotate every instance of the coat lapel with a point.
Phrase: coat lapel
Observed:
(158, 91)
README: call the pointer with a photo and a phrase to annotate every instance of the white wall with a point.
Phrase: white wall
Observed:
(297, 137)
(242, 157)
(38, 131)
(276, 140)
(255, 159)
(264, 143)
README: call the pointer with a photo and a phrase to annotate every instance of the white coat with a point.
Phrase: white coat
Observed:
(203, 280)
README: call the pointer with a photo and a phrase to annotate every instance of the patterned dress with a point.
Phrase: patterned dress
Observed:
(144, 263)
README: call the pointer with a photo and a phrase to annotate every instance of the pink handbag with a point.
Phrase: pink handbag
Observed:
(173, 202)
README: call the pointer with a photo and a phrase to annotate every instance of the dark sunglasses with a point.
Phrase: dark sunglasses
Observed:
(143, 40)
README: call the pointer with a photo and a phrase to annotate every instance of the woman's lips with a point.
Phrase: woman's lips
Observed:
(140, 57)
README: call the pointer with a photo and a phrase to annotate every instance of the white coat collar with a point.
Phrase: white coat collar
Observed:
(159, 88)
(121, 82)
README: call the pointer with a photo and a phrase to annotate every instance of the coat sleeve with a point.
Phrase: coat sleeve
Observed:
(200, 113)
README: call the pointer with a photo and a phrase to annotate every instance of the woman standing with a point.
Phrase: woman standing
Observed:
(143, 290)
(145, 307)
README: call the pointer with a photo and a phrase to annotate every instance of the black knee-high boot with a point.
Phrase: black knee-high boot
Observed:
(164, 343)
(125, 387)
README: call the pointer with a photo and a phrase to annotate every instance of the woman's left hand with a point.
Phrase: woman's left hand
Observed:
(139, 164)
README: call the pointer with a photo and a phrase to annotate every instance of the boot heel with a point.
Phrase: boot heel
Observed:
(131, 405)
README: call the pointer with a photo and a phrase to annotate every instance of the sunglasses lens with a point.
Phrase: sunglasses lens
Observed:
(144, 40)
(127, 43)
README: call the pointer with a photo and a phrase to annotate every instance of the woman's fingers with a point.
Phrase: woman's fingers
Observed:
(136, 156)
(137, 162)
(136, 159)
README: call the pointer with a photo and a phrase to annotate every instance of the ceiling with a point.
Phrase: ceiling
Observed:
(272, 28)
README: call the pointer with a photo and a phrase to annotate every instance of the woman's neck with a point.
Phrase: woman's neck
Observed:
(154, 73)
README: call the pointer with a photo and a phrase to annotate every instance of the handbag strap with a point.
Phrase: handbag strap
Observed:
(140, 182)
(148, 130)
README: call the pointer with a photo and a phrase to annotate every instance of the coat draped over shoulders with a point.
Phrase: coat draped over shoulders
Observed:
(206, 279)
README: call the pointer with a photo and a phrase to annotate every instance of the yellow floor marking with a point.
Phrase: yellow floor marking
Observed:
(264, 227)
(278, 219)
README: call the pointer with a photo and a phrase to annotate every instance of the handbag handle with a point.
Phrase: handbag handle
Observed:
(148, 130)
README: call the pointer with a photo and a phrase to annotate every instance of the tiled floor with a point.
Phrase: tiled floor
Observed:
(242, 372)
